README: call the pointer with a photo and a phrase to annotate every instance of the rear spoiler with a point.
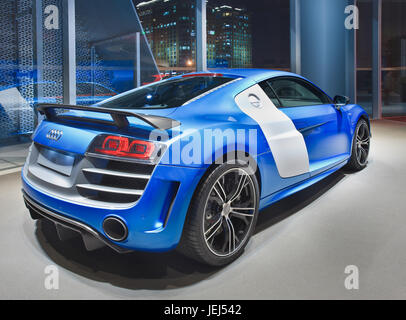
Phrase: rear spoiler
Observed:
(120, 118)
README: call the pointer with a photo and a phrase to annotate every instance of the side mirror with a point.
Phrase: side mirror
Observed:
(341, 101)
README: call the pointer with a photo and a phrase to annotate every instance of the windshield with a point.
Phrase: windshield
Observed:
(166, 94)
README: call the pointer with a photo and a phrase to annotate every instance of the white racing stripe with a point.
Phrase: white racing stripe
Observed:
(285, 141)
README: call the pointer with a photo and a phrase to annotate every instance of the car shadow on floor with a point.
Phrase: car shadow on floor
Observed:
(159, 271)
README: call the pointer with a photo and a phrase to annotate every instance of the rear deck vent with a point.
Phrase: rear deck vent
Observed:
(115, 181)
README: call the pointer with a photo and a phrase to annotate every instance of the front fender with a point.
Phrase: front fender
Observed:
(354, 113)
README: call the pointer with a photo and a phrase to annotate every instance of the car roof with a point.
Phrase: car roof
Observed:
(252, 74)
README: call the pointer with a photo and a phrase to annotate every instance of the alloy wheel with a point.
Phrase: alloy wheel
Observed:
(363, 144)
(229, 212)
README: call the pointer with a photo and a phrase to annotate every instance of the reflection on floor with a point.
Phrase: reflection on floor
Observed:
(401, 119)
(13, 157)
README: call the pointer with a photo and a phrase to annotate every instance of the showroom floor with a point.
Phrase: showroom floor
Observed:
(12, 157)
(300, 250)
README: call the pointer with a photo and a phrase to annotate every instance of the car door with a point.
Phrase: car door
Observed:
(315, 117)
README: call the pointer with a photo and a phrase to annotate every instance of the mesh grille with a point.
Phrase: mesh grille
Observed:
(16, 65)
(25, 64)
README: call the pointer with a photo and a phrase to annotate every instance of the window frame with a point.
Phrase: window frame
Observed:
(298, 80)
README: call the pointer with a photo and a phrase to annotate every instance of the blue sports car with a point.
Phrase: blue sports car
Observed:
(188, 162)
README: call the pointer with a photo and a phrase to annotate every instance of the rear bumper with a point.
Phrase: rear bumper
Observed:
(69, 223)
(155, 222)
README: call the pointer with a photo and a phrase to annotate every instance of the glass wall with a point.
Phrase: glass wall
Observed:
(24, 44)
(364, 56)
(229, 36)
(122, 44)
(110, 45)
(240, 33)
(170, 27)
(393, 58)
(111, 57)
(248, 34)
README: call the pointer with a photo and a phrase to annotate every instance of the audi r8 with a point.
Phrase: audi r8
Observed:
(188, 162)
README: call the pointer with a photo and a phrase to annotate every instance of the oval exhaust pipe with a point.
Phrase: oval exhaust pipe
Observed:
(115, 229)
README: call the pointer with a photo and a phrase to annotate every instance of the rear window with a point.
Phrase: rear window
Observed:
(166, 94)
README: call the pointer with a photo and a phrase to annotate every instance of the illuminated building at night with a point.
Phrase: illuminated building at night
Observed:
(169, 26)
(232, 40)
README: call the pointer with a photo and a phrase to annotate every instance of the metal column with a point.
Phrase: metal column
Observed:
(137, 60)
(377, 59)
(351, 60)
(201, 36)
(38, 49)
(69, 52)
(93, 70)
(295, 37)
(323, 44)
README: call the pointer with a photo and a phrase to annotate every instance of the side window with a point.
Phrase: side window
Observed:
(297, 93)
(270, 93)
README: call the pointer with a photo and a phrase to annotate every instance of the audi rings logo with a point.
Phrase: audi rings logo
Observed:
(54, 134)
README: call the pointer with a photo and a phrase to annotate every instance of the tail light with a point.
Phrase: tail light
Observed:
(124, 147)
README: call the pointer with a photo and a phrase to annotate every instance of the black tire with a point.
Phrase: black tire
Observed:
(205, 226)
(360, 147)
